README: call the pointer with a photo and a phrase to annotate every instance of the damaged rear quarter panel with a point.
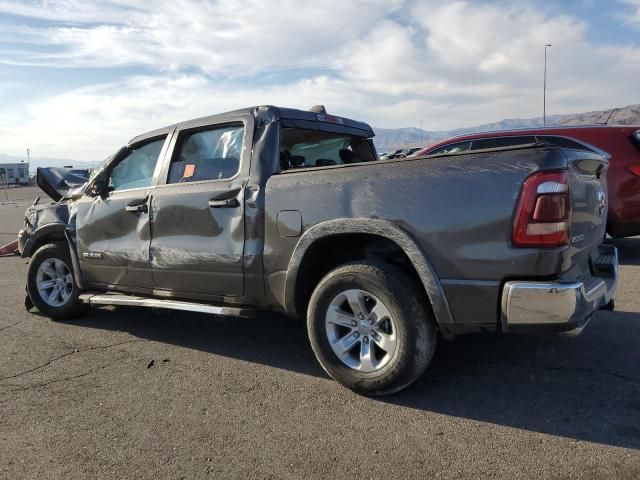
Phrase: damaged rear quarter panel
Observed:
(458, 208)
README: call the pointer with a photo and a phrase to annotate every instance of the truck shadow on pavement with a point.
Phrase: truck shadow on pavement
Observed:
(585, 388)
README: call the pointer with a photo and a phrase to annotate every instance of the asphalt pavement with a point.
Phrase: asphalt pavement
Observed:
(133, 393)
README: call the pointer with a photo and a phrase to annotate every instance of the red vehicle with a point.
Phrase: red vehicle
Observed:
(622, 143)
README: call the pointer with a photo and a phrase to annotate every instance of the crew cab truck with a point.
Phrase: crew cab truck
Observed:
(272, 208)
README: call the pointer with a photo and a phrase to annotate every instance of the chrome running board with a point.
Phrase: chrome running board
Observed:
(96, 298)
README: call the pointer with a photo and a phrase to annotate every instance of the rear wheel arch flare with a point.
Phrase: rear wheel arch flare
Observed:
(382, 229)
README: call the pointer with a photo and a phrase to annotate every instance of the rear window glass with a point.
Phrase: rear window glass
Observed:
(300, 148)
(564, 143)
(501, 142)
(635, 139)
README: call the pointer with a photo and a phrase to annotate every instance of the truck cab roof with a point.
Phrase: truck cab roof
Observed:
(312, 120)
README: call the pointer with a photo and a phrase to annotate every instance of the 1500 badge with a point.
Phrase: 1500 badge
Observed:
(577, 238)
(91, 255)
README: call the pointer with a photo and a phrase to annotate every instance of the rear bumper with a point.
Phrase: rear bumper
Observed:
(557, 306)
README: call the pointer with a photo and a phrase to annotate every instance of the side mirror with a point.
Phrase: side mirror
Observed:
(97, 188)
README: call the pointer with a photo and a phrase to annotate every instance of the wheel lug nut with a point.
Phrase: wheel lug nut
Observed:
(356, 334)
(354, 323)
(371, 321)
(366, 339)
(361, 316)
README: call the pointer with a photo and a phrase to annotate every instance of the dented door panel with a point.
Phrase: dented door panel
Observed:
(198, 228)
(113, 243)
(197, 248)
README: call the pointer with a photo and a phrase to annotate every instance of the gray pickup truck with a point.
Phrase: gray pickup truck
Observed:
(279, 209)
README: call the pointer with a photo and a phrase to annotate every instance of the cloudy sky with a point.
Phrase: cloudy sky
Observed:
(79, 78)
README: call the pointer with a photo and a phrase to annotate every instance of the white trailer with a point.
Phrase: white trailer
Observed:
(14, 173)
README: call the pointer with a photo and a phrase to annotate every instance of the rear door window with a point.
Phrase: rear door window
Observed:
(499, 142)
(209, 154)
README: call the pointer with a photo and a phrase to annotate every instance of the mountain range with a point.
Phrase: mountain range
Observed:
(393, 138)
(36, 162)
(390, 138)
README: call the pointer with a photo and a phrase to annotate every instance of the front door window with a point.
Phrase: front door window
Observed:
(136, 169)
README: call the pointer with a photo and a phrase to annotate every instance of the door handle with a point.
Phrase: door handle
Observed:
(137, 208)
(228, 203)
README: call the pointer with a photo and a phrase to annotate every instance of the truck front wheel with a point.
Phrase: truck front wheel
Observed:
(370, 328)
(51, 285)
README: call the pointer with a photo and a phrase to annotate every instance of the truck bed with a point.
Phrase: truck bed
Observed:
(459, 208)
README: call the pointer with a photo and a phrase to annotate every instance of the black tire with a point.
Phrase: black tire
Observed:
(414, 324)
(72, 307)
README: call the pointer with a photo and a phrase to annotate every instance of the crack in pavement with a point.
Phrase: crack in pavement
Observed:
(572, 369)
(12, 325)
(46, 364)
(56, 380)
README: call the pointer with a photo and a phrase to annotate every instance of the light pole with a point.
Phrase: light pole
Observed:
(544, 87)
(421, 132)
(5, 183)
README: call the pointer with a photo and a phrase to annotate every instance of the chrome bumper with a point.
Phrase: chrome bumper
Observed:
(561, 306)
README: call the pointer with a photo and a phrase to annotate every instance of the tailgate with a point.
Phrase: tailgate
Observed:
(588, 188)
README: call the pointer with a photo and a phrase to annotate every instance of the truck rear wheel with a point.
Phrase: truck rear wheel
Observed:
(51, 285)
(370, 328)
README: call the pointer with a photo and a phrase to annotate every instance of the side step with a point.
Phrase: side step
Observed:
(98, 298)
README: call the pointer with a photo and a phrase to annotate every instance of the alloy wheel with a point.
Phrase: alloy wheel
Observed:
(361, 330)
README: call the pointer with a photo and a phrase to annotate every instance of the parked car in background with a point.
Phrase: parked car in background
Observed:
(271, 208)
(622, 143)
(400, 153)
(410, 151)
(391, 154)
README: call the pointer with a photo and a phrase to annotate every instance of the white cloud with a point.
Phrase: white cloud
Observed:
(222, 38)
(632, 18)
(450, 63)
(90, 123)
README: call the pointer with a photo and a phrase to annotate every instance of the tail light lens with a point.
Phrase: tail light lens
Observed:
(542, 216)
(635, 169)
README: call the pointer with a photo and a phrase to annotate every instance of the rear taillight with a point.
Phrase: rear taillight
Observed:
(635, 169)
(542, 217)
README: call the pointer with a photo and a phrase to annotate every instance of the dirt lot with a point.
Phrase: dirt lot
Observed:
(130, 393)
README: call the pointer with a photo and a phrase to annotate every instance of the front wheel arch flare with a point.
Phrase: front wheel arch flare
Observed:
(49, 233)
(54, 233)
